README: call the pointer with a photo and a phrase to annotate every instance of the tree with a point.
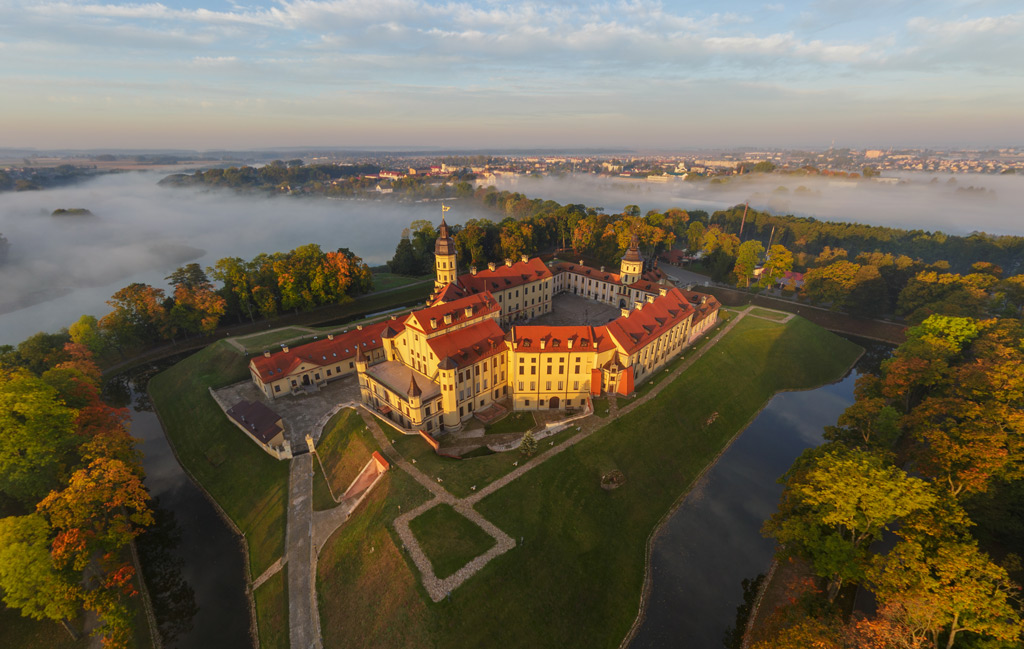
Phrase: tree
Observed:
(528, 445)
(838, 502)
(631, 210)
(36, 435)
(946, 587)
(103, 508)
(85, 331)
(28, 579)
(138, 314)
(747, 257)
(189, 276)
(695, 236)
(831, 284)
(779, 262)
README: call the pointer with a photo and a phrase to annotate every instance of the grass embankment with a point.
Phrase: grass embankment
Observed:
(765, 313)
(388, 281)
(344, 450)
(459, 476)
(513, 422)
(368, 590)
(272, 611)
(248, 484)
(576, 580)
(449, 539)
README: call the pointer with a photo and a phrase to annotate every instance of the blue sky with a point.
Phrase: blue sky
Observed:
(655, 75)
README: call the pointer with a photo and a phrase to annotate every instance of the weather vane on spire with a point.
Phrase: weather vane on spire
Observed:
(444, 208)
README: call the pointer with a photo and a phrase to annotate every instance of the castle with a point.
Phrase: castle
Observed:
(432, 369)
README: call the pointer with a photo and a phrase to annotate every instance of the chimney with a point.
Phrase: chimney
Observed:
(581, 262)
(359, 327)
(524, 259)
(447, 318)
(662, 291)
(508, 262)
(624, 312)
(703, 299)
(472, 270)
(569, 343)
(433, 323)
(266, 353)
(638, 306)
(543, 343)
(602, 269)
(650, 299)
(469, 312)
(330, 336)
(490, 266)
(284, 348)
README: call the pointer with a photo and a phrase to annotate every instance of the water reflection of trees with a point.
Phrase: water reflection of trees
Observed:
(174, 601)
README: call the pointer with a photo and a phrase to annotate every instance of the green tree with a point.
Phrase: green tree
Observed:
(28, 579)
(831, 284)
(748, 255)
(946, 587)
(779, 262)
(836, 503)
(528, 445)
(695, 236)
(86, 332)
(36, 436)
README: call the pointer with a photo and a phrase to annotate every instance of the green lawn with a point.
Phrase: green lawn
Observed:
(248, 484)
(458, 476)
(344, 450)
(387, 281)
(601, 406)
(767, 313)
(272, 611)
(576, 580)
(449, 539)
(513, 422)
(270, 340)
(368, 589)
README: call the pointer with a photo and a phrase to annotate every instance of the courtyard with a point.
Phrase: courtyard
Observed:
(570, 309)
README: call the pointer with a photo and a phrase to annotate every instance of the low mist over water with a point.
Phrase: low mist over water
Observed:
(61, 267)
(65, 266)
(915, 203)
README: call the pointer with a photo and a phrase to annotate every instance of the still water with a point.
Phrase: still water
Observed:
(192, 560)
(713, 542)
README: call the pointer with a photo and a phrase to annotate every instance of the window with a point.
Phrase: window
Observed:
(533, 370)
(294, 383)
(526, 403)
(560, 384)
(575, 385)
(577, 371)
(461, 411)
(533, 386)
(277, 388)
(428, 411)
(547, 385)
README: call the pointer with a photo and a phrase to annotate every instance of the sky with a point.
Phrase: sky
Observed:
(208, 74)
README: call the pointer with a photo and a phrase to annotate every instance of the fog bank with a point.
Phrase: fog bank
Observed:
(915, 203)
(62, 267)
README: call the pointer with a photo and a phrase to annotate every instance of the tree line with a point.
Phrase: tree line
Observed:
(263, 287)
(71, 494)
(930, 460)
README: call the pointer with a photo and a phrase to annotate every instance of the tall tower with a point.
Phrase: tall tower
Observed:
(632, 266)
(444, 258)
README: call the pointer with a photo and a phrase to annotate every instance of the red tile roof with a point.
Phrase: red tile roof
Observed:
(482, 304)
(703, 304)
(556, 338)
(470, 344)
(587, 271)
(449, 293)
(643, 325)
(322, 352)
(503, 277)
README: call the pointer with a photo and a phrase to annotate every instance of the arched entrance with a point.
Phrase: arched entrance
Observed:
(305, 379)
(622, 304)
(553, 403)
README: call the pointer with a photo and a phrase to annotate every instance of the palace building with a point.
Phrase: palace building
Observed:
(471, 348)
